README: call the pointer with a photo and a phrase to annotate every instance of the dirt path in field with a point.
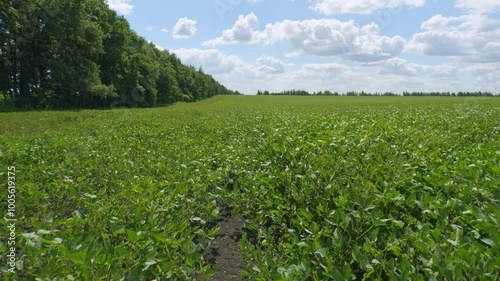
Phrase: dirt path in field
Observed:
(224, 252)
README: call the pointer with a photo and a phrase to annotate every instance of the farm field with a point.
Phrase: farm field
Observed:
(328, 188)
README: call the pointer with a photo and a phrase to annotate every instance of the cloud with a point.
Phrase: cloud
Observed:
(327, 76)
(395, 74)
(155, 28)
(398, 66)
(472, 38)
(479, 6)
(254, 1)
(230, 70)
(320, 37)
(184, 28)
(370, 29)
(121, 6)
(437, 22)
(156, 45)
(213, 61)
(483, 69)
(374, 48)
(332, 7)
(270, 65)
(242, 32)
(442, 43)
(323, 70)
(485, 76)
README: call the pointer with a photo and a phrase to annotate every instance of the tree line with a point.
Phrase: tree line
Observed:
(81, 54)
(363, 93)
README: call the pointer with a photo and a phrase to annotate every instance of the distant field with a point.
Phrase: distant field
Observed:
(330, 188)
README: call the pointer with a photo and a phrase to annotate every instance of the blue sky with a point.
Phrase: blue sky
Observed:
(336, 45)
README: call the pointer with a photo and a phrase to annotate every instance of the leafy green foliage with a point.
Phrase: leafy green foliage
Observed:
(331, 188)
(80, 54)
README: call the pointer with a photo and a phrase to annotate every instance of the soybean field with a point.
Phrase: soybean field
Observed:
(326, 188)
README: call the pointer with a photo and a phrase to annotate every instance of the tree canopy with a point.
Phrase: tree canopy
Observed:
(81, 54)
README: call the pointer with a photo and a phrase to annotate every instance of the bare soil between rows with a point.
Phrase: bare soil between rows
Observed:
(224, 253)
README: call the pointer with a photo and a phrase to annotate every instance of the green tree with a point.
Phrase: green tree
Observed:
(81, 54)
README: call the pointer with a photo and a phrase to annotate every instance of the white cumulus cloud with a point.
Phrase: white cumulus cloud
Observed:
(437, 22)
(324, 70)
(242, 32)
(184, 28)
(121, 6)
(398, 66)
(321, 37)
(213, 61)
(486, 76)
(473, 38)
(479, 6)
(270, 65)
(331, 7)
